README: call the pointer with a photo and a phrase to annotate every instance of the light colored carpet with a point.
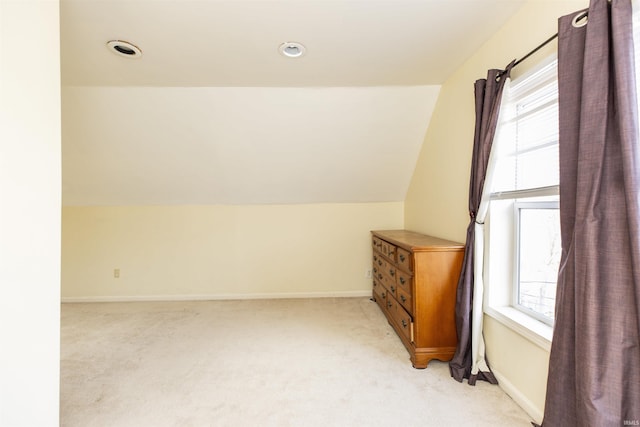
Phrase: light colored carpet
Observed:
(297, 362)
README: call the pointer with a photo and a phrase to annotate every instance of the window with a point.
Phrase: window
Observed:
(523, 236)
(524, 211)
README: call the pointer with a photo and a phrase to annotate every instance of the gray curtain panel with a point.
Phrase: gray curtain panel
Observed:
(488, 93)
(594, 370)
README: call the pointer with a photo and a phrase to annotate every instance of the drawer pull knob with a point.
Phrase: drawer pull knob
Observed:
(379, 262)
(404, 323)
(403, 298)
(389, 304)
(375, 270)
(393, 289)
(380, 276)
(392, 273)
(402, 258)
(402, 280)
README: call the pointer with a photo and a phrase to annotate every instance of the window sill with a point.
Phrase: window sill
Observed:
(530, 328)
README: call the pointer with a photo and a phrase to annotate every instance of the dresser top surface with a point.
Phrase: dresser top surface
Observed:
(416, 242)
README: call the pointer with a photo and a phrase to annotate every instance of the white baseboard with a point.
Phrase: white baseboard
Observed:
(209, 297)
(525, 403)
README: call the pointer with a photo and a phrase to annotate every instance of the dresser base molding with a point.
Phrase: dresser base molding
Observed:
(422, 356)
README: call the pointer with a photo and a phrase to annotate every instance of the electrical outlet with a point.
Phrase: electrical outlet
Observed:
(367, 273)
(116, 273)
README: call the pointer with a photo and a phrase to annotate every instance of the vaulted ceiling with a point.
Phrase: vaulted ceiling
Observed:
(213, 114)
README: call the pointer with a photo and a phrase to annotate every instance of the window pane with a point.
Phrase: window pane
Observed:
(539, 258)
(527, 135)
(540, 128)
(537, 168)
(532, 169)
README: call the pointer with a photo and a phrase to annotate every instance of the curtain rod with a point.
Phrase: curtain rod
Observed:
(540, 46)
(537, 48)
(576, 23)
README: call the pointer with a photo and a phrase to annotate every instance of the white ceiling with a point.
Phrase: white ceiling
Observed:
(212, 113)
(234, 43)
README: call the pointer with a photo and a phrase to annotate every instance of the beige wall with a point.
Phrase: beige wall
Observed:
(437, 199)
(221, 251)
(29, 213)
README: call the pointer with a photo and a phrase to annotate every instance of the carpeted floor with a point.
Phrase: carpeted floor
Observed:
(297, 362)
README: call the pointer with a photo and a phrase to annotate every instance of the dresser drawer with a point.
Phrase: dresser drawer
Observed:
(377, 288)
(404, 259)
(393, 289)
(377, 260)
(391, 270)
(389, 251)
(380, 268)
(401, 317)
(376, 244)
(376, 265)
(388, 281)
(404, 281)
(380, 295)
(405, 299)
(404, 323)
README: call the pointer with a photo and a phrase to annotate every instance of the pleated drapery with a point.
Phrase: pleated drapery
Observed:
(594, 370)
(469, 359)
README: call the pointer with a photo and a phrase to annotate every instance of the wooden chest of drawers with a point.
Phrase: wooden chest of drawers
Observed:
(414, 282)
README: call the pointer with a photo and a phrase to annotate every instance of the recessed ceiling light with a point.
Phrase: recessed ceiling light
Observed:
(292, 49)
(123, 48)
